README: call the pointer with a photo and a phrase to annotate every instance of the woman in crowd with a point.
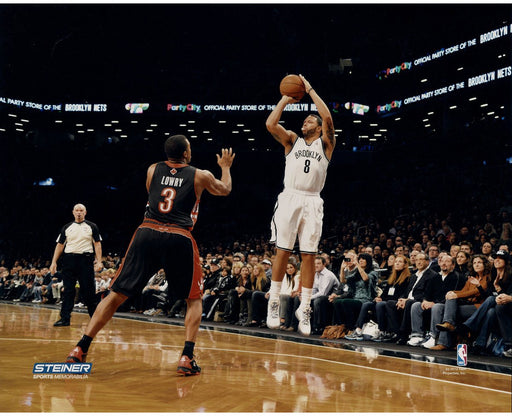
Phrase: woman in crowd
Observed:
(389, 314)
(257, 302)
(463, 303)
(290, 289)
(480, 323)
(393, 289)
(461, 263)
(238, 302)
(362, 288)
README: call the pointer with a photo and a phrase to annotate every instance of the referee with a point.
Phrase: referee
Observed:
(80, 241)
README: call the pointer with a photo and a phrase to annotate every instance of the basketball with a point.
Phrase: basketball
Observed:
(292, 86)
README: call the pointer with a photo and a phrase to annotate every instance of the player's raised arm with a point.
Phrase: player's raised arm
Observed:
(283, 136)
(328, 136)
(222, 186)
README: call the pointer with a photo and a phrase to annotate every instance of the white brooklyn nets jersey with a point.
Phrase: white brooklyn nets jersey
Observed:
(306, 167)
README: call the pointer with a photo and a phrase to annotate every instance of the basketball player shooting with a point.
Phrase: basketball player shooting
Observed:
(299, 207)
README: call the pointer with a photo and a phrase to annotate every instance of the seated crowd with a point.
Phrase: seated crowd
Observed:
(432, 290)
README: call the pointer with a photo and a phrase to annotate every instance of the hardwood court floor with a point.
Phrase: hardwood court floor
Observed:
(134, 363)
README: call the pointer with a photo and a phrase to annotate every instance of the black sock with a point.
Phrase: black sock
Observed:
(189, 349)
(85, 343)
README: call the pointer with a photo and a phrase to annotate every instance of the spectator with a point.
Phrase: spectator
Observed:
(157, 285)
(257, 300)
(393, 308)
(290, 289)
(362, 288)
(479, 324)
(433, 254)
(447, 280)
(461, 263)
(462, 303)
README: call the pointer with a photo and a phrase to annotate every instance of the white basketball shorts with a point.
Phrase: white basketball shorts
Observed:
(297, 214)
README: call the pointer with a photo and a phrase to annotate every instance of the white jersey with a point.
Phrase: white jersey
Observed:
(306, 167)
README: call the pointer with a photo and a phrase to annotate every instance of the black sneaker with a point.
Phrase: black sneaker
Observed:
(61, 322)
(188, 367)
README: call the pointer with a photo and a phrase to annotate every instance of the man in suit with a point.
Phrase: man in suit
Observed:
(442, 283)
(416, 290)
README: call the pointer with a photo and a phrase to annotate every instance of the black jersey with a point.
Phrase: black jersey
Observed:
(172, 195)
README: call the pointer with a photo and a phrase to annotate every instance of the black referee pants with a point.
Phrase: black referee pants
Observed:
(78, 267)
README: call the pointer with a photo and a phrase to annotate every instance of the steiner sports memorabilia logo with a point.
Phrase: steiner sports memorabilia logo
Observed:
(462, 355)
(61, 370)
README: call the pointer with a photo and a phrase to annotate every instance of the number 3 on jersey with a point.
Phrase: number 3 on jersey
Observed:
(166, 205)
(307, 164)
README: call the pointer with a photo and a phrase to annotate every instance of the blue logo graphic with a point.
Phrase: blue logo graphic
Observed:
(62, 368)
(462, 355)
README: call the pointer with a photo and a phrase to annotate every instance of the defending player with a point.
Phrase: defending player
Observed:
(163, 240)
(299, 208)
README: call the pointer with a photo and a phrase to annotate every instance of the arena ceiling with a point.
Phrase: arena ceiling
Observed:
(236, 54)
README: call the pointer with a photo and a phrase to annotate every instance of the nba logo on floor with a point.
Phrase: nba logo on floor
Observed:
(462, 355)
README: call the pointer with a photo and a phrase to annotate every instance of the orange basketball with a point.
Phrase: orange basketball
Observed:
(292, 86)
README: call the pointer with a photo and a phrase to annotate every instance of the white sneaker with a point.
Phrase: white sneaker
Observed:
(304, 317)
(429, 343)
(273, 321)
(415, 341)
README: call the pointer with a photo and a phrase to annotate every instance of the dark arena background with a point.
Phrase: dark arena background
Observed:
(88, 93)
(420, 96)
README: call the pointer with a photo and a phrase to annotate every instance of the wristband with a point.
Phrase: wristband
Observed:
(311, 89)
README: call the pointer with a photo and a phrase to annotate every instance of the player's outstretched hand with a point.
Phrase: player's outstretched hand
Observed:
(226, 160)
(307, 85)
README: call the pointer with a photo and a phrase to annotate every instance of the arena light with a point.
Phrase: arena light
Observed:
(118, 130)
(209, 139)
(206, 132)
(424, 80)
(151, 130)
(430, 113)
(472, 99)
(398, 119)
(108, 125)
(356, 121)
(153, 125)
(24, 121)
(58, 121)
(484, 105)
(183, 125)
(251, 139)
(453, 107)
(490, 113)
(222, 121)
(191, 121)
(12, 115)
(114, 121)
(134, 121)
(460, 69)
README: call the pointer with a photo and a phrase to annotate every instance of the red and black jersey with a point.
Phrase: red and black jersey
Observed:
(172, 195)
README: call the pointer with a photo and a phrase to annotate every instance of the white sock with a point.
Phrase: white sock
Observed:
(305, 297)
(275, 289)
